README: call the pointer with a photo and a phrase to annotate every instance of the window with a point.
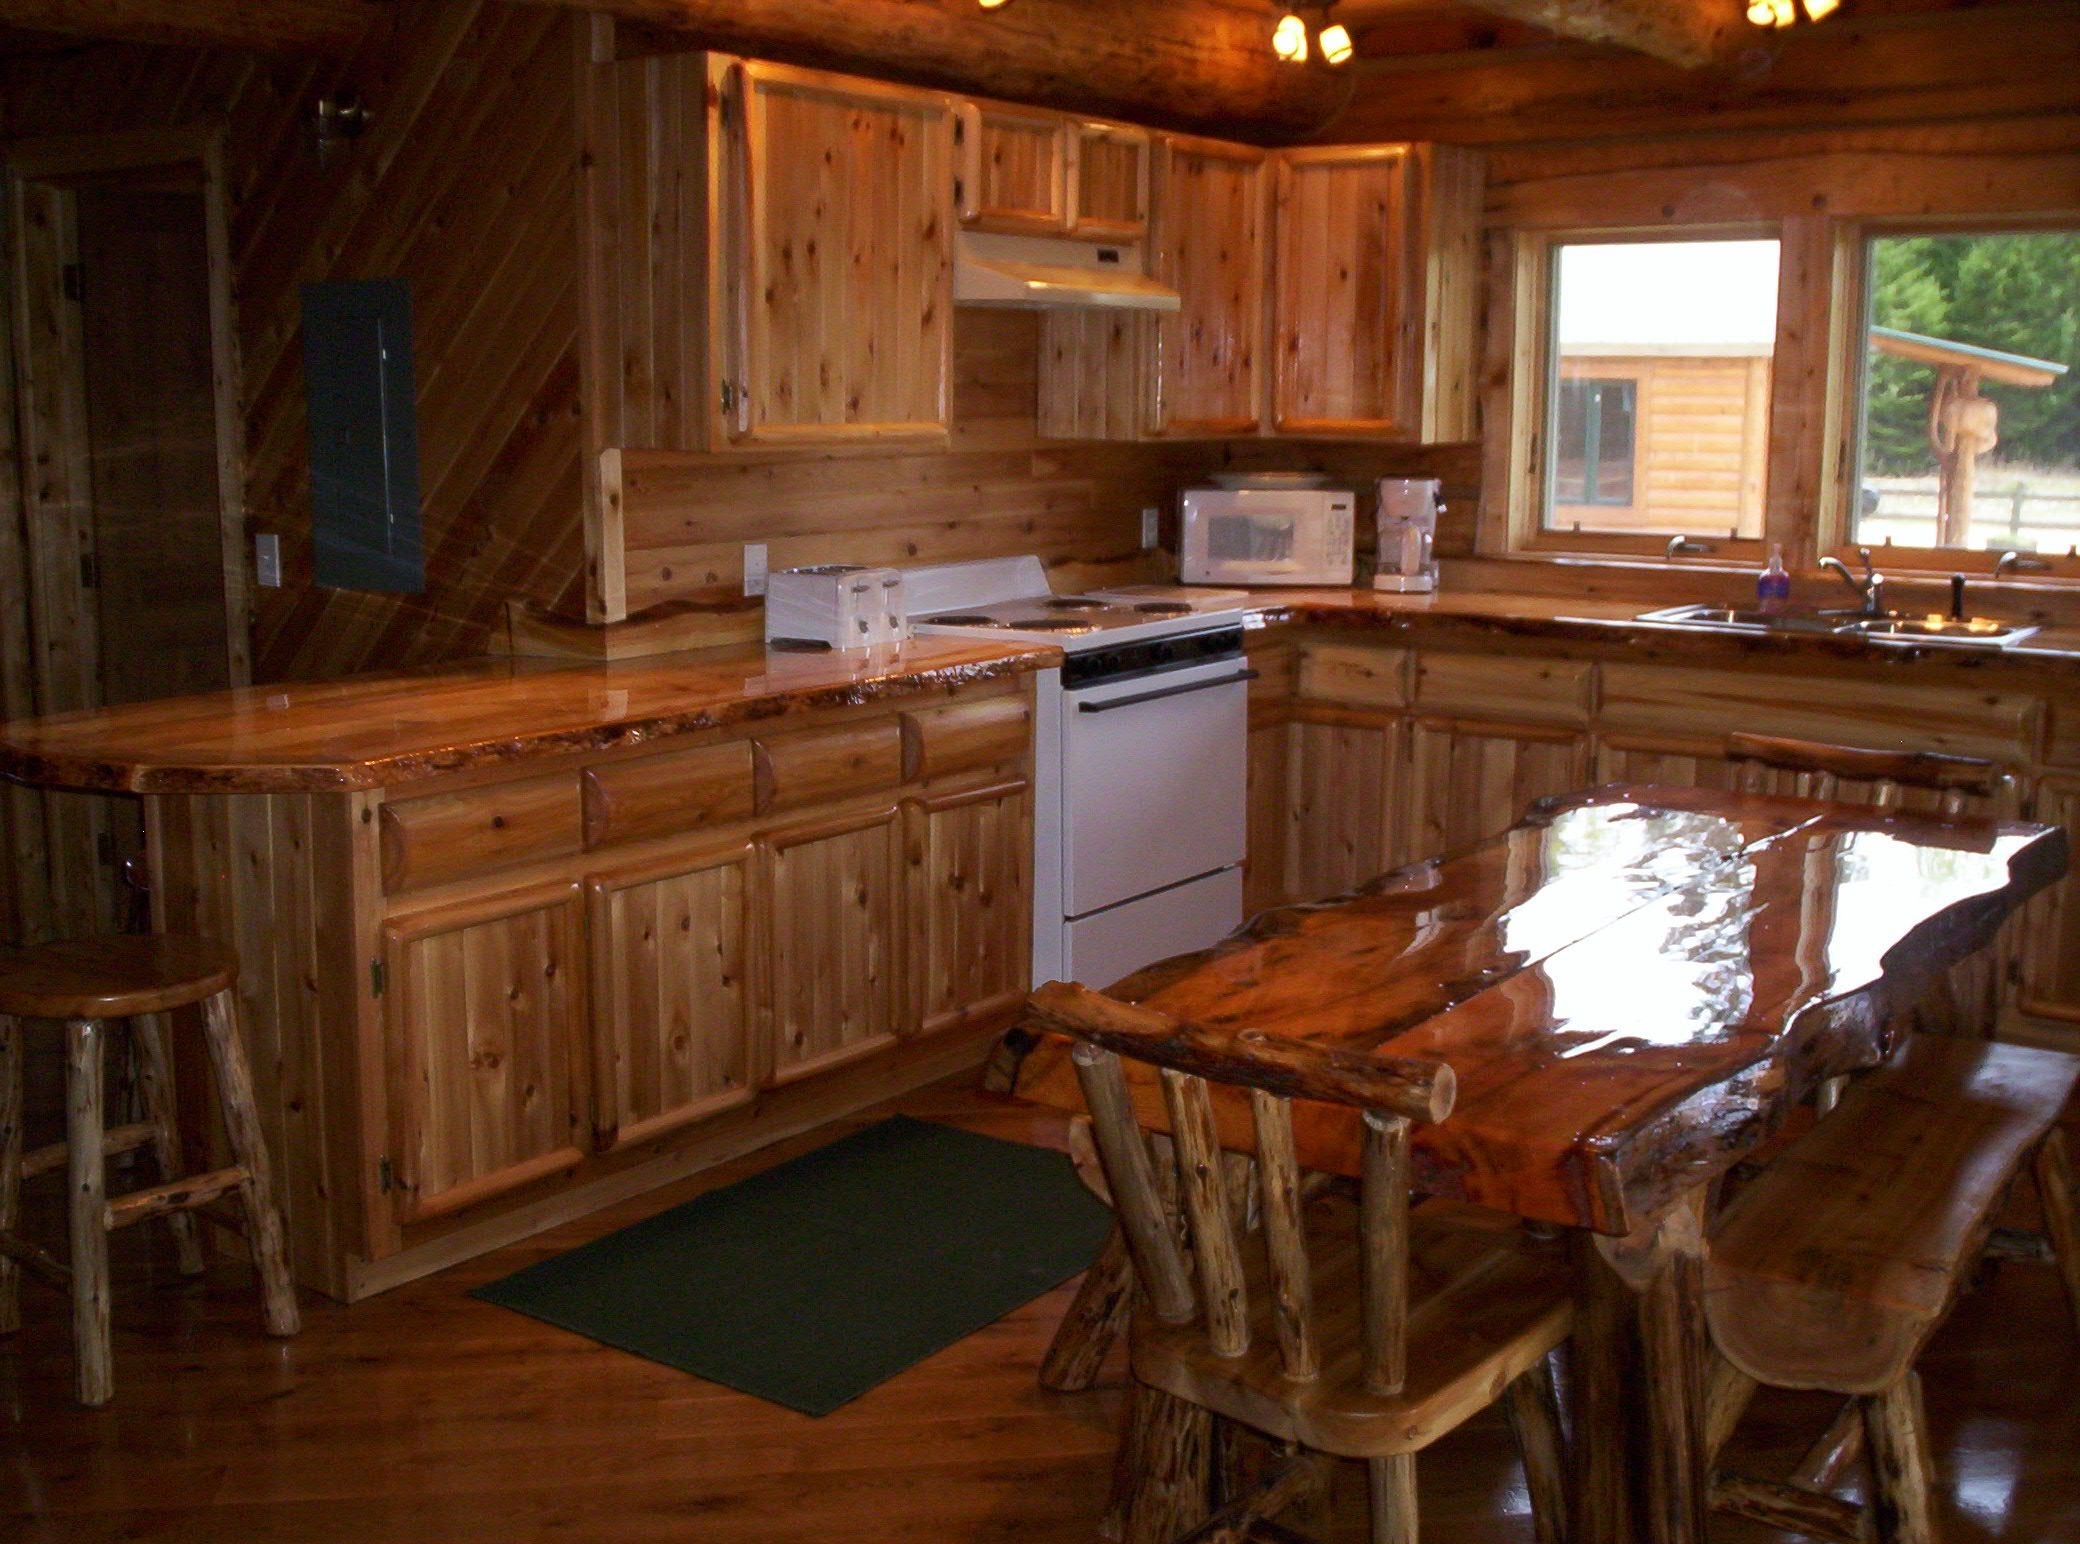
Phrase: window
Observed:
(1970, 410)
(1657, 388)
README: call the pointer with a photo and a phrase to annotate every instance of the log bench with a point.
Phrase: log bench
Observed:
(1835, 1266)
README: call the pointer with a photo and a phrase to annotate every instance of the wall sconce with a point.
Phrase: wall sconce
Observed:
(1782, 13)
(1289, 39)
(335, 121)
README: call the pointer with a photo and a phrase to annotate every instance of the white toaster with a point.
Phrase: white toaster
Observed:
(841, 605)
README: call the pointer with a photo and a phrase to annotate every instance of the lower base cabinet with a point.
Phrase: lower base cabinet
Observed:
(969, 858)
(837, 910)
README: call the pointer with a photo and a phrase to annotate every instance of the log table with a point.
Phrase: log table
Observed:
(1633, 986)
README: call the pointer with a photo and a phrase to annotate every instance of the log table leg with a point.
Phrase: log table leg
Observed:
(1662, 1265)
(1172, 1493)
(1093, 1322)
(1601, 1359)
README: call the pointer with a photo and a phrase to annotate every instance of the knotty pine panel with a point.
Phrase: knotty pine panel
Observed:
(464, 186)
(998, 489)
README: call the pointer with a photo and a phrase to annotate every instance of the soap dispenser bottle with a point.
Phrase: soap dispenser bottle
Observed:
(1773, 584)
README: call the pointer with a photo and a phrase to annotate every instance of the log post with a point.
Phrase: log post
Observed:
(1896, 1434)
(1203, 1186)
(1176, 1463)
(1141, 1211)
(1383, 1263)
(155, 1084)
(1285, 1243)
(249, 1147)
(1533, 1409)
(1094, 1319)
(87, 1208)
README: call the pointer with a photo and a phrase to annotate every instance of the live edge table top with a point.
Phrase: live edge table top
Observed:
(1632, 985)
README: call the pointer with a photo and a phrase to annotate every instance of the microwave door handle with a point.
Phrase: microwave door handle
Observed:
(1168, 691)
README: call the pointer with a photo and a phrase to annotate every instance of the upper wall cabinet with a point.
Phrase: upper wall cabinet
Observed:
(1377, 262)
(1370, 308)
(1026, 172)
(769, 256)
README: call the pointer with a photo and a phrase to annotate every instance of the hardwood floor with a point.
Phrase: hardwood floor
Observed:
(423, 1415)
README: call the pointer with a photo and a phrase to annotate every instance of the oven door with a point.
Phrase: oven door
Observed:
(1153, 780)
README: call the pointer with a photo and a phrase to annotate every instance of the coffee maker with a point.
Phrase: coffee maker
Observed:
(1408, 511)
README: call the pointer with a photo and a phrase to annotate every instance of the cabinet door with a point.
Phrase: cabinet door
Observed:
(843, 248)
(674, 992)
(970, 926)
(1345, 779)
(1347, 314)
(1109, 182)
(1014, 170)
(484, 1008)
(837, 904)
(1469, 779)
(1209, 245)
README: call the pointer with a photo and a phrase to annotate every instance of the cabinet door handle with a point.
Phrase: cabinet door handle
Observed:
(1168, 691)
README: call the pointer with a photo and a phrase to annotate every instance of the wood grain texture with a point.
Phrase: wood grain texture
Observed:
(969, 856)
(837, 897)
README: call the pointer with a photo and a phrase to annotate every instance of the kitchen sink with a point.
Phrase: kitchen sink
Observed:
(1892, 627)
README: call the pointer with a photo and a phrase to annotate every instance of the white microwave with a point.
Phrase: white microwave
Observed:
(1267, 536)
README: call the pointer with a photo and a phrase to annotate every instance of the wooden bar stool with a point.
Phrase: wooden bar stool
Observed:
(86, 982)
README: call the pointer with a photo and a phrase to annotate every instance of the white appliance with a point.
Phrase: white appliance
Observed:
(1275, 535)
(1408, 510)
(1139, 762)
(842, 605)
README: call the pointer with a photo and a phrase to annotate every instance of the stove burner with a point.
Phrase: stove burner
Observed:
(1163, 608)
(1072, 604)
(1055, 625)
(966, 619)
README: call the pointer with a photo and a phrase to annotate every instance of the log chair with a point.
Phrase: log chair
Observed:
(1357, 1327)
(1832, 1269)
(86, 983)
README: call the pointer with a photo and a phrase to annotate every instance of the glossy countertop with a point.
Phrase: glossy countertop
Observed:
(1632, 986)
(379, 731)
(1586, 619)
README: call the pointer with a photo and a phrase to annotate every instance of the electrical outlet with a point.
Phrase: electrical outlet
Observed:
(754, 568)
(1149, 517)
(267, 560)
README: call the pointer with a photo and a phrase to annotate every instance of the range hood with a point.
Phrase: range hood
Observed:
(1050, 273)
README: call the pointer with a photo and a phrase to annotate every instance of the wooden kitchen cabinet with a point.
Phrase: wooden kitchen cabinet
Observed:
(1108, 181)
(677, 961)
(838, 940)
(768, 257)
(1014, 169)
(1210, 245)
(970, 902)
(1376, 282)
(484, 1043)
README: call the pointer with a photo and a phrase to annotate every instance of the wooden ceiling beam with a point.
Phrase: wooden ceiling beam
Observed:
(1204, 65)
(286, 26)
(1688, 33)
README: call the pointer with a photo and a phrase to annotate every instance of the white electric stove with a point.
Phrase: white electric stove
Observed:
(1139, 758)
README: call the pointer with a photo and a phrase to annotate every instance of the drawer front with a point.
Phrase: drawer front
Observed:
(448, 836)
(793, 770)
(1337, 672)
(1505, 688)
(1873, 714)
(664, 795)
(965, 734)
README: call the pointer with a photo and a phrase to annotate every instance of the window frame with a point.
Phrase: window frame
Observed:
(1836, 523)
(1524, 277)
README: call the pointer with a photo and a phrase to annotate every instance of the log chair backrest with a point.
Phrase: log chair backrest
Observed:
(1391, 1092)
(1820, 767)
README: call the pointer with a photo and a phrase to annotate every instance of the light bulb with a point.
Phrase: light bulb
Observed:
(1786, 13)
(1335, 43)
(1761, 14)
(991, 5)
(1289, 39)
(1816, 9)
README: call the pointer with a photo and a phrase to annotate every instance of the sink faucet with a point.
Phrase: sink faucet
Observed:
(1679, 545)
(1870, 589)
(2021, 562)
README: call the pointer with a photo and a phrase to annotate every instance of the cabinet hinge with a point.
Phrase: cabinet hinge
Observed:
(384, 1181)
(729, 396)
(959, 201)
(377, 980)
(74, 277)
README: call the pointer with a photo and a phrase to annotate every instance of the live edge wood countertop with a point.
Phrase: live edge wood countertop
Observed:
(380, 731)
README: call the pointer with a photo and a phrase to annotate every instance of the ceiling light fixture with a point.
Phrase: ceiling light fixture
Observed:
(991, 5)
(1782, 13)
(1290, 39)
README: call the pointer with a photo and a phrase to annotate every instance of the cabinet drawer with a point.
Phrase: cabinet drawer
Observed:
(428, 841)
(791, 770)
(1521, 691)
(1874, 714)
(663, 795)
(964, 734)
(1338, 672)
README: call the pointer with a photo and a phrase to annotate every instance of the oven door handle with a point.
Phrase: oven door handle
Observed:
(1168, 691)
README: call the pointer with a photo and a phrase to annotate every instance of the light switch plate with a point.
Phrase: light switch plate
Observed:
(267, 560)
(754, 568)
(1149, 516)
